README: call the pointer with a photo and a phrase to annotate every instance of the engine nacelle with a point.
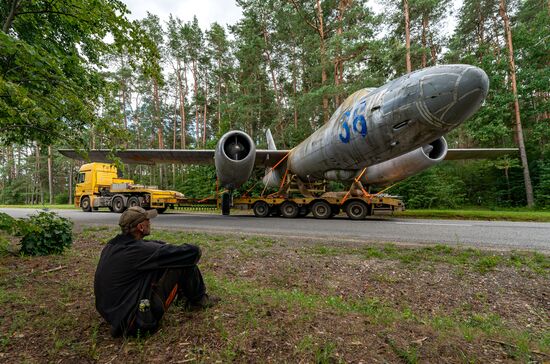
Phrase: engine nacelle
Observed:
(406, 165)
(234, 158)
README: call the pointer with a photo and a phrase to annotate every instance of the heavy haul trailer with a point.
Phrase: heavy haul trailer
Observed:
(98, 185)
(323, 207)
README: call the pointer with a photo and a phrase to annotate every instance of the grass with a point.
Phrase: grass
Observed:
(479, 214)
(289, 301)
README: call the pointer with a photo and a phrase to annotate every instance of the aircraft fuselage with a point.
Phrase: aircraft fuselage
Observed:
(374, 125)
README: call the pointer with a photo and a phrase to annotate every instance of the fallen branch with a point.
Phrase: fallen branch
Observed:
(54, 269)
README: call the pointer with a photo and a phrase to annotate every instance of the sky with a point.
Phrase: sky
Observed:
(207, 11)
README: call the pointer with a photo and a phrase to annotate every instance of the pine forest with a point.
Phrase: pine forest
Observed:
(81, 74)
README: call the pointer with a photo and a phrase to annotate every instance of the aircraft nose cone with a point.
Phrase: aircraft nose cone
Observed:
(453, 94)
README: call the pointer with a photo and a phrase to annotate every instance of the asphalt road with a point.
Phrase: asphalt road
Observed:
(480, 234)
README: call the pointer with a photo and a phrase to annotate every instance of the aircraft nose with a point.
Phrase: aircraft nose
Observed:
(453, 94)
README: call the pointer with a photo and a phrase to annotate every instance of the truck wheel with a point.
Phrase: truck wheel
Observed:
(289, 209)
(226, 203)
(321, 210)
(118, 205)
(161, 210)
(133, 201)
(261, 209)
(85, 204)
(356, 210)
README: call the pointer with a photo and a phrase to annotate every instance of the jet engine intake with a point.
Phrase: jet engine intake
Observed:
(406, 165)
(234, 159)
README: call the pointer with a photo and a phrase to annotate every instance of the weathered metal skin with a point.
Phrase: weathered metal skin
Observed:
(234, 159)
(373, 126)
(406, 165)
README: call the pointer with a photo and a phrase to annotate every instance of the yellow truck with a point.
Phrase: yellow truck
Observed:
(98, 185)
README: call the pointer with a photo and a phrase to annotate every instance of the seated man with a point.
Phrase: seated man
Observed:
(136, 280)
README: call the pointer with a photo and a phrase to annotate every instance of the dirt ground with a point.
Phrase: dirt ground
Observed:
(292, 301)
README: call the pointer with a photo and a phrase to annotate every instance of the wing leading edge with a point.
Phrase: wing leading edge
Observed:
(267, 158)
(479, 153)
(177, 156)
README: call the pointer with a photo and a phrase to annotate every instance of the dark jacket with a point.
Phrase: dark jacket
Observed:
(126, 270)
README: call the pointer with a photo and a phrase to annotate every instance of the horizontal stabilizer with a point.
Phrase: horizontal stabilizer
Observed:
(479, 153)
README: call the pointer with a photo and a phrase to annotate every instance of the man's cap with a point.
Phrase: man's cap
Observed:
(134, 215)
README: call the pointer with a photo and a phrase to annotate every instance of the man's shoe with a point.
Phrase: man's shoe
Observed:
(206, 301)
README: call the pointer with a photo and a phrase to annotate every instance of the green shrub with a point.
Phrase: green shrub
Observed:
(62, 198)
(46, 233)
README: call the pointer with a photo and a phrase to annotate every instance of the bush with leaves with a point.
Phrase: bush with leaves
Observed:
(46, 233)
(42, 234)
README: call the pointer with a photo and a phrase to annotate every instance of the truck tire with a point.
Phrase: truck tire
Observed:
(133, 201)
(289, 209)
(356, 210)
(226, 203)
(261, 209)
(321, 210)
(118, 204)
(85, 204)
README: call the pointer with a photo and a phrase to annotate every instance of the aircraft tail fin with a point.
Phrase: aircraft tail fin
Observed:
(270, 141)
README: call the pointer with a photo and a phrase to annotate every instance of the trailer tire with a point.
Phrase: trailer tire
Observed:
(118, 204)
(85, 204)
(289, 209)
(261, 209)
(134, 201)
(321, 210)
(356, 210)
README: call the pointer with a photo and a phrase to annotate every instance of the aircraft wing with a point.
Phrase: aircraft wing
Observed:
(177, 156)
(479, 153)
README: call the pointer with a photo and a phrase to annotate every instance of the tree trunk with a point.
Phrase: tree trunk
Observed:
(11, 15)
(156, 104)
(71, 167)
(38, 177)
(195, 88)
(424, 43)
(271, 70)
(50, 176)
(182, 93)
(519, 130)
(321, 31)
(407, 36)
(204, 112)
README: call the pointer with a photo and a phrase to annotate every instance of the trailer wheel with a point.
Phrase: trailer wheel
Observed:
(226, 203)
(356, 210)
(289, 209)
(321, 210)
(133, 201)
(118, 205)
(261, 209)
(85, 204)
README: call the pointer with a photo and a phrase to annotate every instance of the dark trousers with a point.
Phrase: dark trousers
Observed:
(185, 283)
